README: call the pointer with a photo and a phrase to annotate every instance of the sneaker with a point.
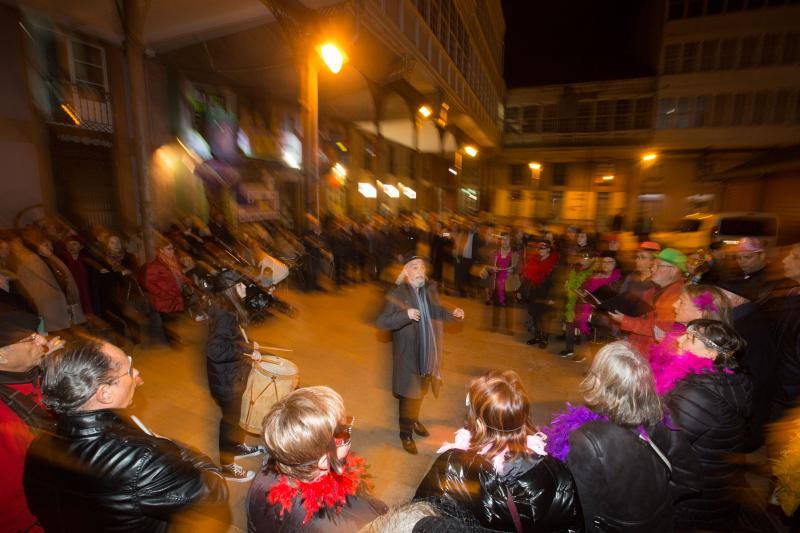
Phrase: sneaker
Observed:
(234, 472)
(566, 354)
(244, 450)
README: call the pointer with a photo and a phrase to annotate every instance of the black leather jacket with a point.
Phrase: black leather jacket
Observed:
(100, 473)
(543, 490)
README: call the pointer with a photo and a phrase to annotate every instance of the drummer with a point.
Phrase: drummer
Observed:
(228, 369)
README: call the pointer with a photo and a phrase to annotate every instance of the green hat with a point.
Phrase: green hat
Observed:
(673, 257)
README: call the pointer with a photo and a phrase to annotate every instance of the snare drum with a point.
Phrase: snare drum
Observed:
(270, 380)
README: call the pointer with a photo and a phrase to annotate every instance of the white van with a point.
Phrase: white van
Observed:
(698, 230)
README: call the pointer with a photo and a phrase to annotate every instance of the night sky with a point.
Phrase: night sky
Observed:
(568, 41)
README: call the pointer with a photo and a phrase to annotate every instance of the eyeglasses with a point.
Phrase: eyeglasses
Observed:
(341, 437)
(129, 372)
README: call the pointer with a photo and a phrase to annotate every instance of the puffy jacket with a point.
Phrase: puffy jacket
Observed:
(622, 482)
(226, 365)
(99, 473)
(711, 411)
(543, 490)
(162, 287)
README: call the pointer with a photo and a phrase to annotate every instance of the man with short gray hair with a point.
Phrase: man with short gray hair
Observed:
(99, 472)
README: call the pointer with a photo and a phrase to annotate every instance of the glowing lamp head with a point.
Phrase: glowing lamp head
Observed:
(332, 57)
(470, 150)
(535, 166)
(425, 111)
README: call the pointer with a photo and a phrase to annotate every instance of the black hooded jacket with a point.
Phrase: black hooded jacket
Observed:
(543, 490)
(226, 363)
(712, 412)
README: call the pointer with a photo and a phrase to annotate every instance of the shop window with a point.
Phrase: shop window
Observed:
(556, 201)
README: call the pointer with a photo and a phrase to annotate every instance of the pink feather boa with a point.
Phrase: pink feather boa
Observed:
(670, 365)
(582, 310)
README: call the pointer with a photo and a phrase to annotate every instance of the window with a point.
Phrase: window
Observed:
(769, 50)
(519, 173)
(675, 9)
(602, 121)
(755, 4)
(530, 119)
(797, 108)
(585, 112)
(602, 169)
(556, 200)
(559, 174)
(623, 115)
(739, 109)
(735, 5)
(689, 57)
(549, 118)
(683, 112)
(748, 57)
(727, 54)
(714, 7)
(702, 105)
(708, 56)
(88, 65)
(781, 108)
(644, 114)
(721, 105)
(666, 113)
(512, 120)
(694, 8)
(671, 57)
(759, 108)
(791, 43)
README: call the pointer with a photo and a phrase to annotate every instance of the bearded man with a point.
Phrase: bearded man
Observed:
(414, 315)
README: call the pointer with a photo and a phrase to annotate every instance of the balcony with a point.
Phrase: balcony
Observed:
(80, 106)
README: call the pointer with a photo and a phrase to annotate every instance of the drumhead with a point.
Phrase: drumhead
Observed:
(283, 367)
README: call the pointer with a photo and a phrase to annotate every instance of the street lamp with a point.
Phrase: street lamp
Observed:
(470, 150)
(650, 156)
(425, 110)
(533, 165)
(332, 56)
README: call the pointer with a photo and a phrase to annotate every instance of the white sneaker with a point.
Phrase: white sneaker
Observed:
(234, 472)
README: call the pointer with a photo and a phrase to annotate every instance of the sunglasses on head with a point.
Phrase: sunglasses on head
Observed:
(341, 436)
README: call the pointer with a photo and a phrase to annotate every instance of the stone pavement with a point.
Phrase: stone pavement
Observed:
(335, 343)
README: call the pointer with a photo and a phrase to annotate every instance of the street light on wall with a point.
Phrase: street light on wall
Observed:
(533, 165)
(470, 150)
(425, 110)
(649, 157)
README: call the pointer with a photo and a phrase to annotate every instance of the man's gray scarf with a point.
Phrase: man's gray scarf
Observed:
(428, 348)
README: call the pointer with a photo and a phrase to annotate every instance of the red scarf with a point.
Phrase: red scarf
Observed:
(537, 270)
(328, 492)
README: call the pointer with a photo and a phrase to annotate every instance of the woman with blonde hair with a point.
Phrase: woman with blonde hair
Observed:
(628, 467)
(497, 474)
(311, 482)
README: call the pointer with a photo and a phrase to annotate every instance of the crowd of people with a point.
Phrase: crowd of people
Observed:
(699, 356)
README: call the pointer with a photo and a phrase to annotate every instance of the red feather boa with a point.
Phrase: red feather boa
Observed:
(328, 492)
(537, 270)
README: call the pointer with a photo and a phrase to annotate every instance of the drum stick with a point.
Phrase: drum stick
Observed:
(274, 359)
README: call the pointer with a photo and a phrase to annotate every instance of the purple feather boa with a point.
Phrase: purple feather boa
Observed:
(565, 423)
